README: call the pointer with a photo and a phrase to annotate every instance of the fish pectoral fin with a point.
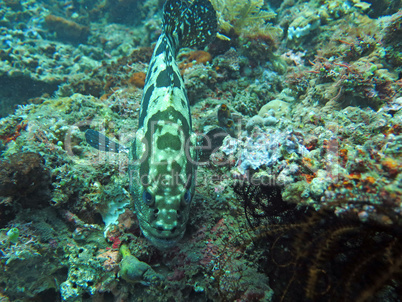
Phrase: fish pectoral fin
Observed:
(101, 142)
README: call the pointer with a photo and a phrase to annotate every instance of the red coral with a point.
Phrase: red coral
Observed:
(6, 138)
(116, 242)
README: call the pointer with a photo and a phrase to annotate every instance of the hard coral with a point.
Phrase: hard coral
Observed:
(107, 78)
(245, 24)
(93, 86)
(67, 30)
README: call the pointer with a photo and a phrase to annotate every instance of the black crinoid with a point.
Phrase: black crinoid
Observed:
(317, 255)
(262, 203)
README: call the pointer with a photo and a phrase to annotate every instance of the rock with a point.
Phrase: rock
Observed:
(24, 177)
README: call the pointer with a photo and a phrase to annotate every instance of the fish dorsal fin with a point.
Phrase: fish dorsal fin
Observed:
(189, 25)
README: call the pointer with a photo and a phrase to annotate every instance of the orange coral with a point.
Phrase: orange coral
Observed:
(66, 29)
(368, 184)
(307, 162)
(201, 57)
(137, 79)
(309, 177)
(369, 179)
(355, 176)
(344, 154)
(391, 166)
(347, 185)
(195, 57)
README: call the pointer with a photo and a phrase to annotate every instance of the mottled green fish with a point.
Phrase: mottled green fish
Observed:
(162, 172)
(163, 183)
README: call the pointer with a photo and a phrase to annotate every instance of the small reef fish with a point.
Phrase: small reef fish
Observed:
(225, 120)
(163, 155)
(213, 140)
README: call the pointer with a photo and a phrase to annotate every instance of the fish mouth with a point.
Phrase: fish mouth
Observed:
(163, 244)
(162, 239)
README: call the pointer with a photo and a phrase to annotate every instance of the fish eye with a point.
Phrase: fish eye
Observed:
(147, 198)
(187, 196)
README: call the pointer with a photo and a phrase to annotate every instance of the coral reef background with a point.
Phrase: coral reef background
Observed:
(301, 202)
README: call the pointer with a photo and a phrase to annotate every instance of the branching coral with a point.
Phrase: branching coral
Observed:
(236, 15)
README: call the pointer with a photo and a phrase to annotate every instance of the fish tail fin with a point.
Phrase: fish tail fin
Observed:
(189, 24)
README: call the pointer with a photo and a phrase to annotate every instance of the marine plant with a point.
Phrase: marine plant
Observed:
(316, 255)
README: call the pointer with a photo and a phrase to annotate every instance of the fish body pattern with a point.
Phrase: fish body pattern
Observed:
(162, 175)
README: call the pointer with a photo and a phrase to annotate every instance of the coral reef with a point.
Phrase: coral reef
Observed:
(262, 148)
(34, 62)
(87, 274)
(392, 41)
(34, 261)
(300, 202)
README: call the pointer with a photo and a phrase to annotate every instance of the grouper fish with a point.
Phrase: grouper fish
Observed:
(163, 155)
